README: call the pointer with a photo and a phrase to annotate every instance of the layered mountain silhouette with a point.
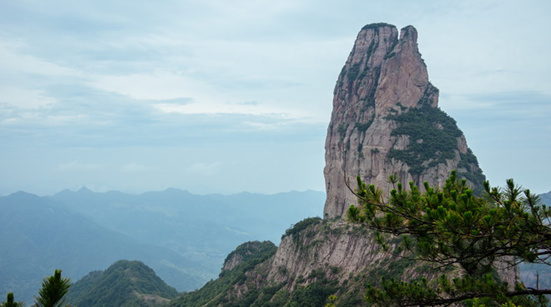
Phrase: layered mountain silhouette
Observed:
(183, 237)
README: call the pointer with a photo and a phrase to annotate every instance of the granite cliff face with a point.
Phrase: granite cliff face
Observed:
(316, 258)
(386, 120)
(338, 248)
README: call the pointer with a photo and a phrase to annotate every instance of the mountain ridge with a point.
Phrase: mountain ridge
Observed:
(157, 229)
(37, 232)
(124, 283)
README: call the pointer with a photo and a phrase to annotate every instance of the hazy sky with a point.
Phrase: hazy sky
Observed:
(228, 96)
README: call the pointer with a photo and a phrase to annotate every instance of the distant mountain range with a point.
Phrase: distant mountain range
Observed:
(183, 237)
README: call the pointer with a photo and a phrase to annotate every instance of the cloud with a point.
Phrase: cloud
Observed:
(135, 168)
(152, 86)
(103, 76)
(14, 61)
(25, 98)
(214, 108)
(487, 47)
(262, 125)
(204, 169)
(167, 90)
(25, 78)
(515, 104)
(75, 166)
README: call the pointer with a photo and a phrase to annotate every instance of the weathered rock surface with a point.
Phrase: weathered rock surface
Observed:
(384, 77)
(385, 121)
(315, 259)
(336, 247)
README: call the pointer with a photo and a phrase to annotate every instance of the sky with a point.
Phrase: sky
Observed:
(225, 96)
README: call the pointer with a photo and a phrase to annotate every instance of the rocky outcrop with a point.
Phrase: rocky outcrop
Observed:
(385, 121)
(370, 134)
(316, 258)
(338, 249)
(245, 252)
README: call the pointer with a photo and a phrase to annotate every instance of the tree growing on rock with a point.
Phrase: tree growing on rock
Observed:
(449, 226)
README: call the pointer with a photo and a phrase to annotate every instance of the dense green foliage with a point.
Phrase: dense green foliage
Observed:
(449, 226)
(432, 135)
(353, 71)
(252, 253)
(433, 138)
(376, 26)
(300, 226)
(52, 293)
(10, 301)
(472, 172)
(314, 294)
(125, 283)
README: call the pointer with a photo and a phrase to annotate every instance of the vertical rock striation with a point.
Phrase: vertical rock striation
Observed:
(386, 120)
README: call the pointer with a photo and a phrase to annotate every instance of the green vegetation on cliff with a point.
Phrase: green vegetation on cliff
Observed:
(433, 139)
(244, 279)
(242, 261)
(300, 226)
(376, 26)
(432, 135)
(449, 226)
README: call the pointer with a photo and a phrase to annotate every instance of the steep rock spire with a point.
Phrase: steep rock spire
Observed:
(370, 133)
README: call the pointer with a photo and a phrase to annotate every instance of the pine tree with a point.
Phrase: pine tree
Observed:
(10, 301)
(450, 226)
(53, 290)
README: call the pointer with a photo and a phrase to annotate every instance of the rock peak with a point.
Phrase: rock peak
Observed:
(384, 78)
(409, 33)
(377, 25)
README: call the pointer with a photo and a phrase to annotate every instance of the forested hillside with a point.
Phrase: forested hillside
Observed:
(125, 283)
(38, 235)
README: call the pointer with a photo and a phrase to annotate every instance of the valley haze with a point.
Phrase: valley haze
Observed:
(229, 96)
(183, 237)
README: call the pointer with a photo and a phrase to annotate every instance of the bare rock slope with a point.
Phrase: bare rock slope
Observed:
(386, 120)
